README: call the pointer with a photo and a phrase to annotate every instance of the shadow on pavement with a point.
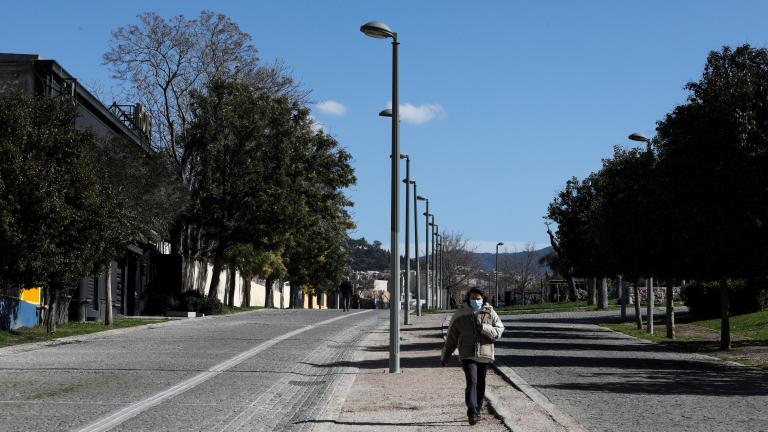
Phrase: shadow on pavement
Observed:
(383, 363)
(576, 346)
(624, 368)
(363, 423)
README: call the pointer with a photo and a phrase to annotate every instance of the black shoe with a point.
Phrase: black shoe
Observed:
(473, 420)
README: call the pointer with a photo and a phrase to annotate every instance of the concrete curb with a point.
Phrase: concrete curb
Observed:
(559, 417)
(509, 375)
(34, 346)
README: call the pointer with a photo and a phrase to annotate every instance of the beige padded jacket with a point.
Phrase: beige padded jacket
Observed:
(473, 334)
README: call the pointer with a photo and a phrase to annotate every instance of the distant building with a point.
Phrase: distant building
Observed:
(143, 264)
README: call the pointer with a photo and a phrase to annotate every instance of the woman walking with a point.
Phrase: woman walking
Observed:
(474, 328)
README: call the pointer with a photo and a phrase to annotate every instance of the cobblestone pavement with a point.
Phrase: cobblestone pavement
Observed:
(223, 373)
(611, 382)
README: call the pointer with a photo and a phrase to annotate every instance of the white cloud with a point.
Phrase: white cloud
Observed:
(331, 107)
(420, 114)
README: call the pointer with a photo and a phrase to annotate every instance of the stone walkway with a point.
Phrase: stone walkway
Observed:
(425, 396)
(607, 381)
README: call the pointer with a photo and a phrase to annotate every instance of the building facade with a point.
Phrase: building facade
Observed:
(142, 265)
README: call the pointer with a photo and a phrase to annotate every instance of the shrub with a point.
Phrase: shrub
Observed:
(746, 296)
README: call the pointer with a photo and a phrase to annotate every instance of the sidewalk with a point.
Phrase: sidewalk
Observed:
(425, 396)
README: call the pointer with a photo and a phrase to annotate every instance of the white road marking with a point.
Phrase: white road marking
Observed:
(137, 408)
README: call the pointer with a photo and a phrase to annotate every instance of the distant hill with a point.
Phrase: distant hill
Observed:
(371, 257)
(368, 256)
(489, 258)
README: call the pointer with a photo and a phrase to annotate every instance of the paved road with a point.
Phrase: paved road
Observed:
(263, 370)
(611, 382)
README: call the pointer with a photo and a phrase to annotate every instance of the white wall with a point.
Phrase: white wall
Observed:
(202, 280)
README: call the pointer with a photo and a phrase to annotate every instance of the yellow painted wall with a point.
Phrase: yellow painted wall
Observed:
(32, 295)
(323, 305)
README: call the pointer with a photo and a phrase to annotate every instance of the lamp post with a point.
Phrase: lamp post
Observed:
(416, 200)
(379, 30)
(407, 181)
(649, 282)
(442, 275)
(435, 299)
(444, 304)
(406, 315)
(427, 214)
(436, 289)
(497, 274)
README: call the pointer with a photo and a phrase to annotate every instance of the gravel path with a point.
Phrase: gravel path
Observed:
(608, 381)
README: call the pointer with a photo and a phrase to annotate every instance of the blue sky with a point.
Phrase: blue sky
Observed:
(511, 98)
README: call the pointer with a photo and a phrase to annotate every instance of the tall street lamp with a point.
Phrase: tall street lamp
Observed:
(427, 215)
(440, 271)
(436, 289)
(379, 30)
(649, 282)
(416, 246)
(406, 312)
(407, 181)
(497, 274)
(431, 258)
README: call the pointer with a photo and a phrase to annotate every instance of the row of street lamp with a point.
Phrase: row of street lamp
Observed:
(380, 30)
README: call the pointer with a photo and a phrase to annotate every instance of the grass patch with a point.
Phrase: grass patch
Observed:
(37, 334)
(234, 309)
(749, 334)
(753, 326)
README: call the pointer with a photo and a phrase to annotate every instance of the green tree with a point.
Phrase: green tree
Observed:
(713, 151)
(317, 252)
(58, 221)
(241, 143)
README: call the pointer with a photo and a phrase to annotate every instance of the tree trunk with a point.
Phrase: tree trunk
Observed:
(650, 303)
(292, 295)
(602, 294)
(591, 291)
(638, 317)
(670, 310)
(108, 311)
(269, 295)
(246, 302)
(218, 263)
(571, 288)
(725, 321)
(623, 298)
(232, 273)
(51, 313)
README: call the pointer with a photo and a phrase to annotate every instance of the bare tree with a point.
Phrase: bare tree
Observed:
(165, 61)
(461, 263)
(521, 269)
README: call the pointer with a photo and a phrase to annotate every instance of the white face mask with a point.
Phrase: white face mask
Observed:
(476, 304)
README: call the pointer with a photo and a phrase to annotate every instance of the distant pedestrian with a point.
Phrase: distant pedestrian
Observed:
(346, 294)
(453, 302)
(474, 328)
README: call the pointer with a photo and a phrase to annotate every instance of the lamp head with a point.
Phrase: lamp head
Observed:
(500, 244)
(403, 156)
(386, 112)
(377, 29)
(638, 137)
(421, 198)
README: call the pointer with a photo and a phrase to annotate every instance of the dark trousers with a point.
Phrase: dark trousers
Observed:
(345, 302)
(474, 372)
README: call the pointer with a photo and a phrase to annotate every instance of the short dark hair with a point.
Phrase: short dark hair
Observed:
(474, 291)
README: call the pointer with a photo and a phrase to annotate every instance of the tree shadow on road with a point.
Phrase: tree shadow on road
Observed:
(631, 367)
